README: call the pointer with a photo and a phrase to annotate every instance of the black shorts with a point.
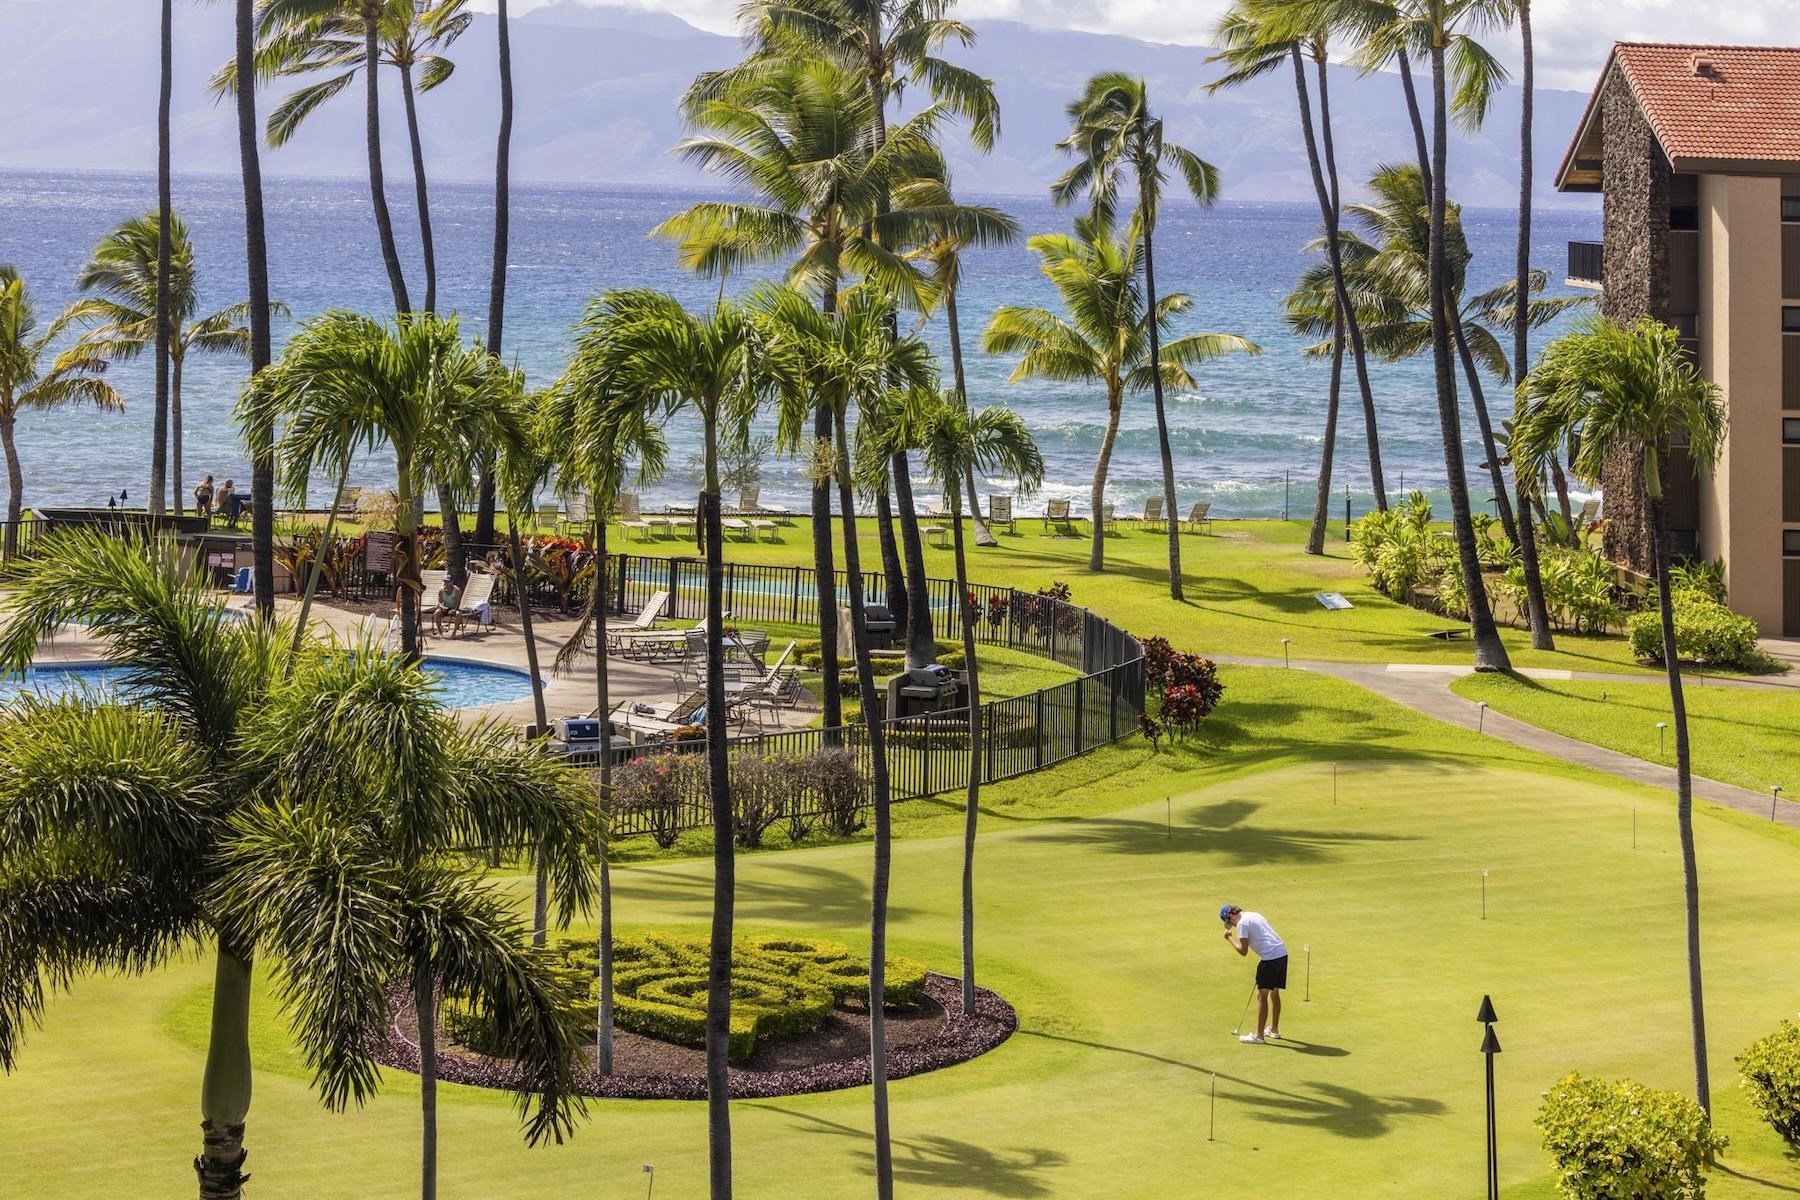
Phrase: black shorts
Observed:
(1271, 974)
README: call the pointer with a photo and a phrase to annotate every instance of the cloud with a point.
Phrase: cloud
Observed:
(1572, 36)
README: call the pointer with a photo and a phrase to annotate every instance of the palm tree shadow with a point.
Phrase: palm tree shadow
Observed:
(1224, 827)
(945, 1162)
(1758, 1179)
(1335, 1109)
(803, 893)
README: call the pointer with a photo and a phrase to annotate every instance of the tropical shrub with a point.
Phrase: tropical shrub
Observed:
(1399, 549)
(1578, 590)
(1705, 631)
(830, 782)
(780, 986)
(762, 793)
(1771, 1074)
(656, 788)
(1705, 577)
(1620, 1140)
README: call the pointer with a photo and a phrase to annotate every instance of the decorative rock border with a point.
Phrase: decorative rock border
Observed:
(957, 1039)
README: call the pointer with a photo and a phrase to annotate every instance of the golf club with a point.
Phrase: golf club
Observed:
(1248, 1000)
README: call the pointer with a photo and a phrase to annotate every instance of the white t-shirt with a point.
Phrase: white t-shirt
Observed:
(1255, 929)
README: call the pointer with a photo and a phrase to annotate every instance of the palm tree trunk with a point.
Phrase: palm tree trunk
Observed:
(1171, 512)
(159, 434)
(484, 503)
(601, 599)
(318, 567)
(420, 189)
(1490, 652)
(225, 1085)
(256, 258)
(921, 638)
(1560, 482)
(892, 572)
(453, 541)
(1325, 183)
(384, 223)
(1097, 497)
(1415, 116)
(830, 701)
(1315, 537)
(175, 431)
(718, 974)
(540, 907)
(1478, 397)
(425, 1008)
(407, 583)
(15, 483)
(878, 786)
(983, 535)
(1684, 798)
(972, 803)
(1538, 612)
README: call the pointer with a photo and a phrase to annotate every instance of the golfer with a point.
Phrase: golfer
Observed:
(1247, 931)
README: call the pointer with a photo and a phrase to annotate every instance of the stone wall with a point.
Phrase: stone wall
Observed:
(1638, 181)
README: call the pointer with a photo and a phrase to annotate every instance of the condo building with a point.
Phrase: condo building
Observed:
(1696, 152)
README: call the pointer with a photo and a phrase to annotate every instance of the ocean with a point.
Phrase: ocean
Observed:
(1247, 438)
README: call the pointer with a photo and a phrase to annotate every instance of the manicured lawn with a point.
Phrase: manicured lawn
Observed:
(1097, 898)
(1746, 736)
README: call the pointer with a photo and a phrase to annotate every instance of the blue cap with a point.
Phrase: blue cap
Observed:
(1224, 911)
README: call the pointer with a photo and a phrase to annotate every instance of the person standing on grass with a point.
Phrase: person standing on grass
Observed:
(1247, 931)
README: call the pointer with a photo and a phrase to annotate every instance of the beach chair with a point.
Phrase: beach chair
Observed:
(1153, 512)
(750, 503)
(738, 527)
(578, 513)
(1198, 518)
(549, 513)
(1000, 512)
(1109, 519)
(244, 583)
(657, 645)
(1057, 518)
(747, 520)
(350, 503)
(477, 601)
(667, 718)
(631, 518)
(644, 622)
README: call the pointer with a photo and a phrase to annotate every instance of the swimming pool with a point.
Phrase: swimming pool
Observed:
(462, 684)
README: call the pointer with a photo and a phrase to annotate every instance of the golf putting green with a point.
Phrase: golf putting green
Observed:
(1102, 931)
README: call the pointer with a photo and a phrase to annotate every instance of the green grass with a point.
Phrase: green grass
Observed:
(1096, 918)
(1248, 584)
(1746, 736)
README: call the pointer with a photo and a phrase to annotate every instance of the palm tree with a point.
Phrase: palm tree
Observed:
(145, 831)
(1541, 637)
(159, 305)
(1114, 130)
(1301, 309)
(594, 441)
(256, 259)
(484, 508)
(28, 382)
(953, 442)
(131, 267)
(793, 134)
(1258, 36)
(660, 358)
(348, 382)
(887, 46)
(1104, 336)
(1440, 28)
(1605, 391)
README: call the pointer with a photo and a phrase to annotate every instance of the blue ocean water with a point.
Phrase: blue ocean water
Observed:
(1247, 438)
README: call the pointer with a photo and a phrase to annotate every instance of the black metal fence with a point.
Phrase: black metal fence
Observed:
(926, 755)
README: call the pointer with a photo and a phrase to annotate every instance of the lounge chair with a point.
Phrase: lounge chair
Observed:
(747, 521)
(1109, 516)
(657, 645)
(549, 513)
(737, 525)
(350, 502)
(1153, 512)
(1057, 518)
(666, 718)
(644, 622)
(1000, 512)
(578, 513)
(477, 601)
(631, 518)
(1198, 518)
(750, 503)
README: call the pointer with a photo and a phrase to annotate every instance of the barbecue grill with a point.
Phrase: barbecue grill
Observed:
(923, 690)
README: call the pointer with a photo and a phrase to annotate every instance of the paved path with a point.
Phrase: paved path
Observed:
(1426, 689)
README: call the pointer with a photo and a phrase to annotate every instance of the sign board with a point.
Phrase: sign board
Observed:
(378, 556)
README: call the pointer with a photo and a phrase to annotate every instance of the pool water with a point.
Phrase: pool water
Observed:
(461, 684)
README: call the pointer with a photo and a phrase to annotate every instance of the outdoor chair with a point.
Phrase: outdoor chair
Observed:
(549, 513)
(578, 516)
(631, 518)
(1198, 520)
(477, 601)
(750, 504)
(644, 622)
(747, 521)
(1057, 519)
(1109, 517)
(1000, 512)
(1153, 512)
(667, 718)
(350, 502)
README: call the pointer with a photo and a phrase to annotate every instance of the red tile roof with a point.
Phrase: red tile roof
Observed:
(1710, 104)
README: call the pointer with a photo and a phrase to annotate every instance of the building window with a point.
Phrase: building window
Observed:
(1790, 431)
(1790, 209)
(1790, 542)
(1687, 325)
(1684, 218)
(1790, 319)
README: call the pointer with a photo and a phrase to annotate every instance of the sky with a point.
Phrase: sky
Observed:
(1571, 36)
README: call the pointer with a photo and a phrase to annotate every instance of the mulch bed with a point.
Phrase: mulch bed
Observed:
(835, 1056)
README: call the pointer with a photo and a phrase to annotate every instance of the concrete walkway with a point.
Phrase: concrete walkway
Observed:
(1426, 689)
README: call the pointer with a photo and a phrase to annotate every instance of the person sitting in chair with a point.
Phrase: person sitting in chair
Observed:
(449, 606)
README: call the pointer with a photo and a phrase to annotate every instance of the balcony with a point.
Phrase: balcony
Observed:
(1587, 265)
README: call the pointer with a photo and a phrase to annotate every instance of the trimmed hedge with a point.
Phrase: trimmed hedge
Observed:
(1705, 630)
(1620, 1140)
(779, 986)
(1771, 1074)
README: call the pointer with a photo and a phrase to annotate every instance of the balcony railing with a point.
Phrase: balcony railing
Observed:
(1587, 264)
